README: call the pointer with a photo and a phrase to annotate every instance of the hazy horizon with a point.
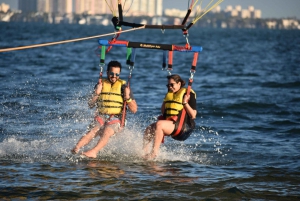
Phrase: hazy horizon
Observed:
(269, 8)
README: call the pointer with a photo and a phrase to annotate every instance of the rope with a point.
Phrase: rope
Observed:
(192, 6)
(110, 7)
(64, 41)
(128, 8)
(206, 11)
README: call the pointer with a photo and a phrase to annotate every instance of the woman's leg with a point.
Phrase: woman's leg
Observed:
(148, 137)
(163, 127)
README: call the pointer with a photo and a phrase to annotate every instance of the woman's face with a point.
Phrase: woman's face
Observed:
(173, 86)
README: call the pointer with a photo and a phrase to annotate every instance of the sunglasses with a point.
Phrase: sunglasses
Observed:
(113, 74)
(170, 85)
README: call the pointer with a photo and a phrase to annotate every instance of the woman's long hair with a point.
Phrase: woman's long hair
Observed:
(177, 79)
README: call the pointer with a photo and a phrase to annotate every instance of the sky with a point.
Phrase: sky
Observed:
(269, 8)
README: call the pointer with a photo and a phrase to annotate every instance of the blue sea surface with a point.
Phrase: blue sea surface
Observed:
(245, 145)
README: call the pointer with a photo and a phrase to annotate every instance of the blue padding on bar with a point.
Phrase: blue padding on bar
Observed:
(106, 43)
(196, 49)
(103, 42)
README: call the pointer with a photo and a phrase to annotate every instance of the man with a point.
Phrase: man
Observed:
(109, 95)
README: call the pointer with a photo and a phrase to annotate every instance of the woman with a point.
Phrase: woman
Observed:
(175, 101)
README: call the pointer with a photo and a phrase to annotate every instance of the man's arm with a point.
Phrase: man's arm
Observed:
(132, 105)
(95, 95)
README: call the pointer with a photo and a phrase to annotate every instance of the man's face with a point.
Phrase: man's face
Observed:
(113, 74)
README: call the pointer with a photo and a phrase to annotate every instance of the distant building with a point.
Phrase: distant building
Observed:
(46, 6)
(228, 8)
(91, 7)
(144, 8)
(231, 11)
(290, 24)
(4, 7)
(238, 8)
(257, 14)
(245, 13)
(271, 24)
(138, 8)
(63, 6)
(175, 12)
(217, 9)
(251, 12)
(159, 7)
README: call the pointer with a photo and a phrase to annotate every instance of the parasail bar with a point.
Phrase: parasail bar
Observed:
(169, 47)
(147, 26)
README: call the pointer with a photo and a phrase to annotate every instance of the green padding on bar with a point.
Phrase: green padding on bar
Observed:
(128, 55)
(103, 49)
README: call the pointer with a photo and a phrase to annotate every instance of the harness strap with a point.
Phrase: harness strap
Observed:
(131, 67)
(114, 122)
(164, 63)
(170, 61)
(102, 122)
(183, 113)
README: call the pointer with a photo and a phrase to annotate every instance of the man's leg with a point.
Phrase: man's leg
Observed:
(107, 133)
(86, 139)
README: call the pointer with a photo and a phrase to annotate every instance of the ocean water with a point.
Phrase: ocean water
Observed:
(245, 145)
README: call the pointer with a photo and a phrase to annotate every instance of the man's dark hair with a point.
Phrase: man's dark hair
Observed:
(114, 64)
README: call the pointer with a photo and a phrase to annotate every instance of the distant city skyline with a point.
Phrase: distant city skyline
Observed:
(269, 8)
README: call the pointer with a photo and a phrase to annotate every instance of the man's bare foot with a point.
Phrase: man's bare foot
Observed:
(90, 154)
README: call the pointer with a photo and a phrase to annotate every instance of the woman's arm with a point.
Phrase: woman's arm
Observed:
(189, 103)
(191, 112)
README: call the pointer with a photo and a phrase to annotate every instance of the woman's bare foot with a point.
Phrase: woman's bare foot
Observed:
(150, 156)
(75, 150)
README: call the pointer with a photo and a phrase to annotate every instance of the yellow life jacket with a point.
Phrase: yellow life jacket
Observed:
(110, 100)
(173, 102)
